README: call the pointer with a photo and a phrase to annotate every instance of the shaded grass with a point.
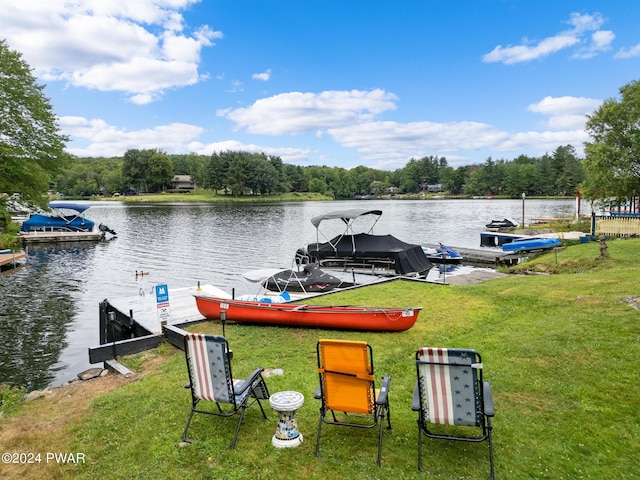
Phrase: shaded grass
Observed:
(560, 351)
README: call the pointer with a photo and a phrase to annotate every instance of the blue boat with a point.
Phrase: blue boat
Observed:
(65, 222)
(530, 244)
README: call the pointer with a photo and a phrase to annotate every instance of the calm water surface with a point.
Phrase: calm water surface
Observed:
(49, 307)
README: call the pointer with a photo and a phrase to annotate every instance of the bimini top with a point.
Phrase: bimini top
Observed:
(78, 207)
(345, 215)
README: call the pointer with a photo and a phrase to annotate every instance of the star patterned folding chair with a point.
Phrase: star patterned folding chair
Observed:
(451, 391)
(211, 380)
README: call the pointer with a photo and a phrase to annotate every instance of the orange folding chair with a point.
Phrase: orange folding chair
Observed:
(347, 388)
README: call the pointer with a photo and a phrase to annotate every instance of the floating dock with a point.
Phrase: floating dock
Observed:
(12, 260)
(60, 237)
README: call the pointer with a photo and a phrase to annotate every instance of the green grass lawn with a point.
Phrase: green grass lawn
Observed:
(560, 351)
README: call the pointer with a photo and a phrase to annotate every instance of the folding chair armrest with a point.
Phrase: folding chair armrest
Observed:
(415, 401)
(384, 390)
(249, 381)
(488, 399)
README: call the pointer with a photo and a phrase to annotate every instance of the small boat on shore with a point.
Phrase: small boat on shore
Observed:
(372, 319)
(65, 223)
(530, 244)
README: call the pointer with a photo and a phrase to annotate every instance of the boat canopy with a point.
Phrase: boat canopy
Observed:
(346, 216)
(78, 207)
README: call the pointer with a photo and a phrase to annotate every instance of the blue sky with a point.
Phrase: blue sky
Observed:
(332, 82)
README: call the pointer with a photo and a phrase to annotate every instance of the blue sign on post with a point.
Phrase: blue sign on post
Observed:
(162, 302)
(162, 293)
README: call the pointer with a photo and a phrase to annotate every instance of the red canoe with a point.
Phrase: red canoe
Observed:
(312, 316)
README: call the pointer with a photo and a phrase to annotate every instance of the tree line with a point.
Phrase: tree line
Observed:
(240, 173)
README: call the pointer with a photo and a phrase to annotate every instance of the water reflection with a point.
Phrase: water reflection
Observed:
(49, 308)
(36, 311)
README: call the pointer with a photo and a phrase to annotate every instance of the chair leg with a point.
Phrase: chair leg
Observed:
(380, 439)
(319, 429)
(420, 447)
(388, 414)
(261, 409)
(489, 427)
(184, 434)
(235, 437)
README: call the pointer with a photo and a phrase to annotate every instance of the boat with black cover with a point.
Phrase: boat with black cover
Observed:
(362, 252)
(310, 279)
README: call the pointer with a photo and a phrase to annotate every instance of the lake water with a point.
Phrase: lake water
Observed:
(49, 307)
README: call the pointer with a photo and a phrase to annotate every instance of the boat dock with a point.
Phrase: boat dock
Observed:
(485, 257)
(133, 324)
(497, 239)
(60, 237)
(11, 260)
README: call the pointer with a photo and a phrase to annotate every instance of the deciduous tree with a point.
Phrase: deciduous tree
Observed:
(31, 145)
(613, 156)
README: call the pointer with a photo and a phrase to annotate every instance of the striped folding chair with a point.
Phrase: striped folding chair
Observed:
(347, 388)
(211, 380)
(450, 391)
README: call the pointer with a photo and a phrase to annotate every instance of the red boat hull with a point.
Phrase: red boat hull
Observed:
(310, 316)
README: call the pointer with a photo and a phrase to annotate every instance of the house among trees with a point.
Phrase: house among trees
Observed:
(182, 184)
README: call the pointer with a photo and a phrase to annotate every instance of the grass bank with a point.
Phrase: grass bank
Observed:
(559, 349)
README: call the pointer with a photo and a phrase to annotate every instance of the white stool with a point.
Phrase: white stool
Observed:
(286, 404)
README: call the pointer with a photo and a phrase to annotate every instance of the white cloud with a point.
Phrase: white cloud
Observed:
(600, 42)
(585, 22)
(393, 143)
(544, 141)
(96, 138)
(264, 76)
(296, 112)
(523, 53)
(582, 24)
(565, 112)
(139, 48)
(101, 139)
(628, 52)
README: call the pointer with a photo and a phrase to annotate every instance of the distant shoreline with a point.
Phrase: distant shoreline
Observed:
(292, 197)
